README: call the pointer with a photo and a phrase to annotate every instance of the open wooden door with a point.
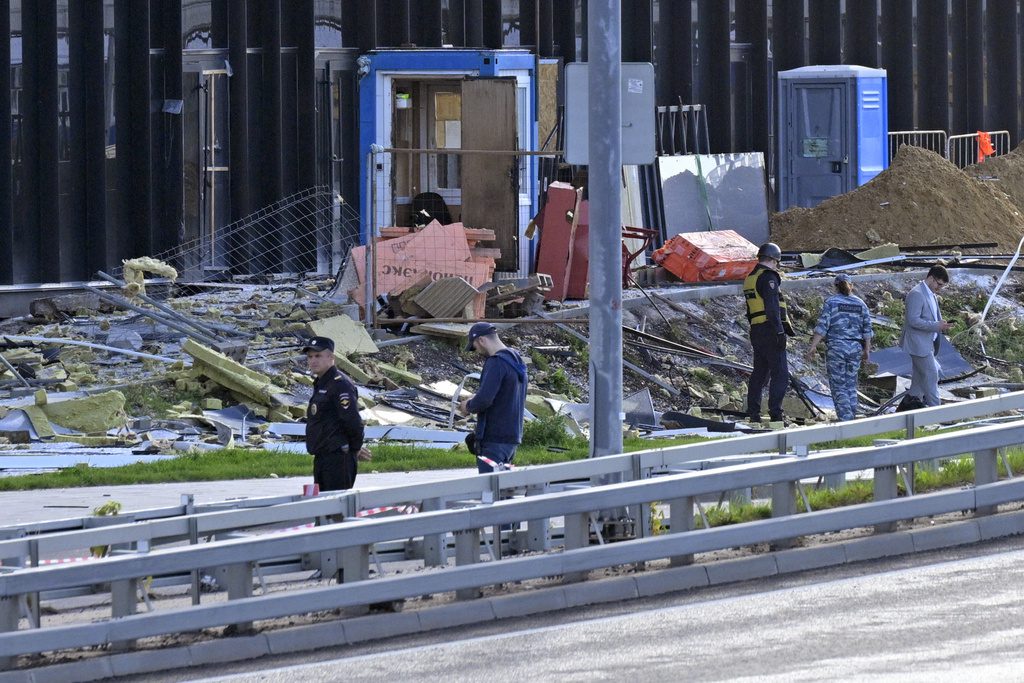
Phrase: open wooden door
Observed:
(490, 183)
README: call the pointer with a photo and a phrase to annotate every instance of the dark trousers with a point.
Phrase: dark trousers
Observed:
(335, 471)
(770, 366)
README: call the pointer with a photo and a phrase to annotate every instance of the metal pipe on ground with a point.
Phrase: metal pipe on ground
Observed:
(74, 342)
(124, 303)
(177, 315)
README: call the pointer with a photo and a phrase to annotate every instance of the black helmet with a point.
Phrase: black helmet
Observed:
(769, 250)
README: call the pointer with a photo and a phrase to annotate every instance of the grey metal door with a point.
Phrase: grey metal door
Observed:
(818, 151)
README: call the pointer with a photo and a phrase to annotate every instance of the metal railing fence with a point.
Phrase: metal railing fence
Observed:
(933, 140)
(173, 524)
(960, 150)
(351, 542)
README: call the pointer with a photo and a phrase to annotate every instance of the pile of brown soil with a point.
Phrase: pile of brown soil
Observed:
(921, 199)
(1005, 174)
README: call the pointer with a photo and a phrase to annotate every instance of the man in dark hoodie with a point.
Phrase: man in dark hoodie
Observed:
(500, 402)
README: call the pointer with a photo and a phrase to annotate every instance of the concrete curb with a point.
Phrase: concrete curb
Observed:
(645, 584)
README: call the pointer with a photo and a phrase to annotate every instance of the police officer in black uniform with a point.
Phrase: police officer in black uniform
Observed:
(334, 429)
(769, 326)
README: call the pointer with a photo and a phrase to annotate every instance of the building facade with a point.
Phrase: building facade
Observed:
(138, 125)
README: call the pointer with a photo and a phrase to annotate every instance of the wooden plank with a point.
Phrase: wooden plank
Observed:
(490, 193)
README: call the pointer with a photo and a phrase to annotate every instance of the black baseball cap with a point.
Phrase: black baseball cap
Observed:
(479, 330)
(319, 344)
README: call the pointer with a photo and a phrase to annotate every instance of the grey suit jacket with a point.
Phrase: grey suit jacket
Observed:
(919, 323)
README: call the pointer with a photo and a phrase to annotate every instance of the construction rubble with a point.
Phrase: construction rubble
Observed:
(145, 369)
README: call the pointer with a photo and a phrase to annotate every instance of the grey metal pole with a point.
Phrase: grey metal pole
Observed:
(604, 177)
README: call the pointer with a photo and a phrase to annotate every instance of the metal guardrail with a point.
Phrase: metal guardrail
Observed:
(174, 524)
(351, 542)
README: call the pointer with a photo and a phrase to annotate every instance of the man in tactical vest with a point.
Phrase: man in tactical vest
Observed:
(769, 326)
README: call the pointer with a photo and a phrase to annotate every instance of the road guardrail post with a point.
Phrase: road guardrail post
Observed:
(680, 520)
(9, 617)
(238, 580)
(577, 535)
(783, 505)
(354, 564)
(885, 488)
(435, 550)
(538, 531)
(986, 471)
(467, 551)
(124, 600)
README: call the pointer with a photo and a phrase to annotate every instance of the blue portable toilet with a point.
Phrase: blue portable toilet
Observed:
(833, 130)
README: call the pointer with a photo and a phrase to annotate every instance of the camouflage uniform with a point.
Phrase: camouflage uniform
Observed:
(844, 323)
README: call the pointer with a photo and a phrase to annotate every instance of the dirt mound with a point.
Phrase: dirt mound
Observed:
(1004, 174)
(920, 199)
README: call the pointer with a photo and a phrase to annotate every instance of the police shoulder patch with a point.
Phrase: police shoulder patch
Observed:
(771, 283)
(345, 401)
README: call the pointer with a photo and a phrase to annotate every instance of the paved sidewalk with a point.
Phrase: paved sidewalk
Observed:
(19, 507)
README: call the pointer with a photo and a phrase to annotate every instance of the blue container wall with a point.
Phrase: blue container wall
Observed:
(872, 128)
(482, 62)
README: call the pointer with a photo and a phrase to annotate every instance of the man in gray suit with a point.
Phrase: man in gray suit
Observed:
(922, 325)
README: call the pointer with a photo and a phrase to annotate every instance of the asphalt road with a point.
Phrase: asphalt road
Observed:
(953, 615)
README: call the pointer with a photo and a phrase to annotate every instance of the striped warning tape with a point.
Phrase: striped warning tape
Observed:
(67, 560)
(496, 466)
(402, 510)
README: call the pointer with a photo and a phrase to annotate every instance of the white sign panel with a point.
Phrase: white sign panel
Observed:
(638, 113)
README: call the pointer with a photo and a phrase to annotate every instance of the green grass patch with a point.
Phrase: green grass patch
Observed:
(239, 463)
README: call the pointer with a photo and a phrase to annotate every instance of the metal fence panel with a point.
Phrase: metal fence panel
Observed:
(962, 150)
(934, 140)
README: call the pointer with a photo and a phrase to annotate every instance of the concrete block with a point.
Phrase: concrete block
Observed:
(309, 637)
(352, 370)
(212, 404)
(1001, 525)
(598, 591)
(801, 559)
(96, 413)
(456, 614)
(731, 571)
(880, 545)
(348, 335)
(233, 649)
(376, 626)
(149, 661)
(946, 536)
(399, 375)
(670, 580)
(74, 672)
(532, 602)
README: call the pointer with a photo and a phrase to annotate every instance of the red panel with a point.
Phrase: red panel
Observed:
(557, 232)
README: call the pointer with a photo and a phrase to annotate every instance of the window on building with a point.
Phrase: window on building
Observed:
(511, 33)
(197, 24)
(327, 23)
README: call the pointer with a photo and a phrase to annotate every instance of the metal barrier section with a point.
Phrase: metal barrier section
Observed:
(962, 150)
(346, 547)
(934, 140)
(352, 542)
